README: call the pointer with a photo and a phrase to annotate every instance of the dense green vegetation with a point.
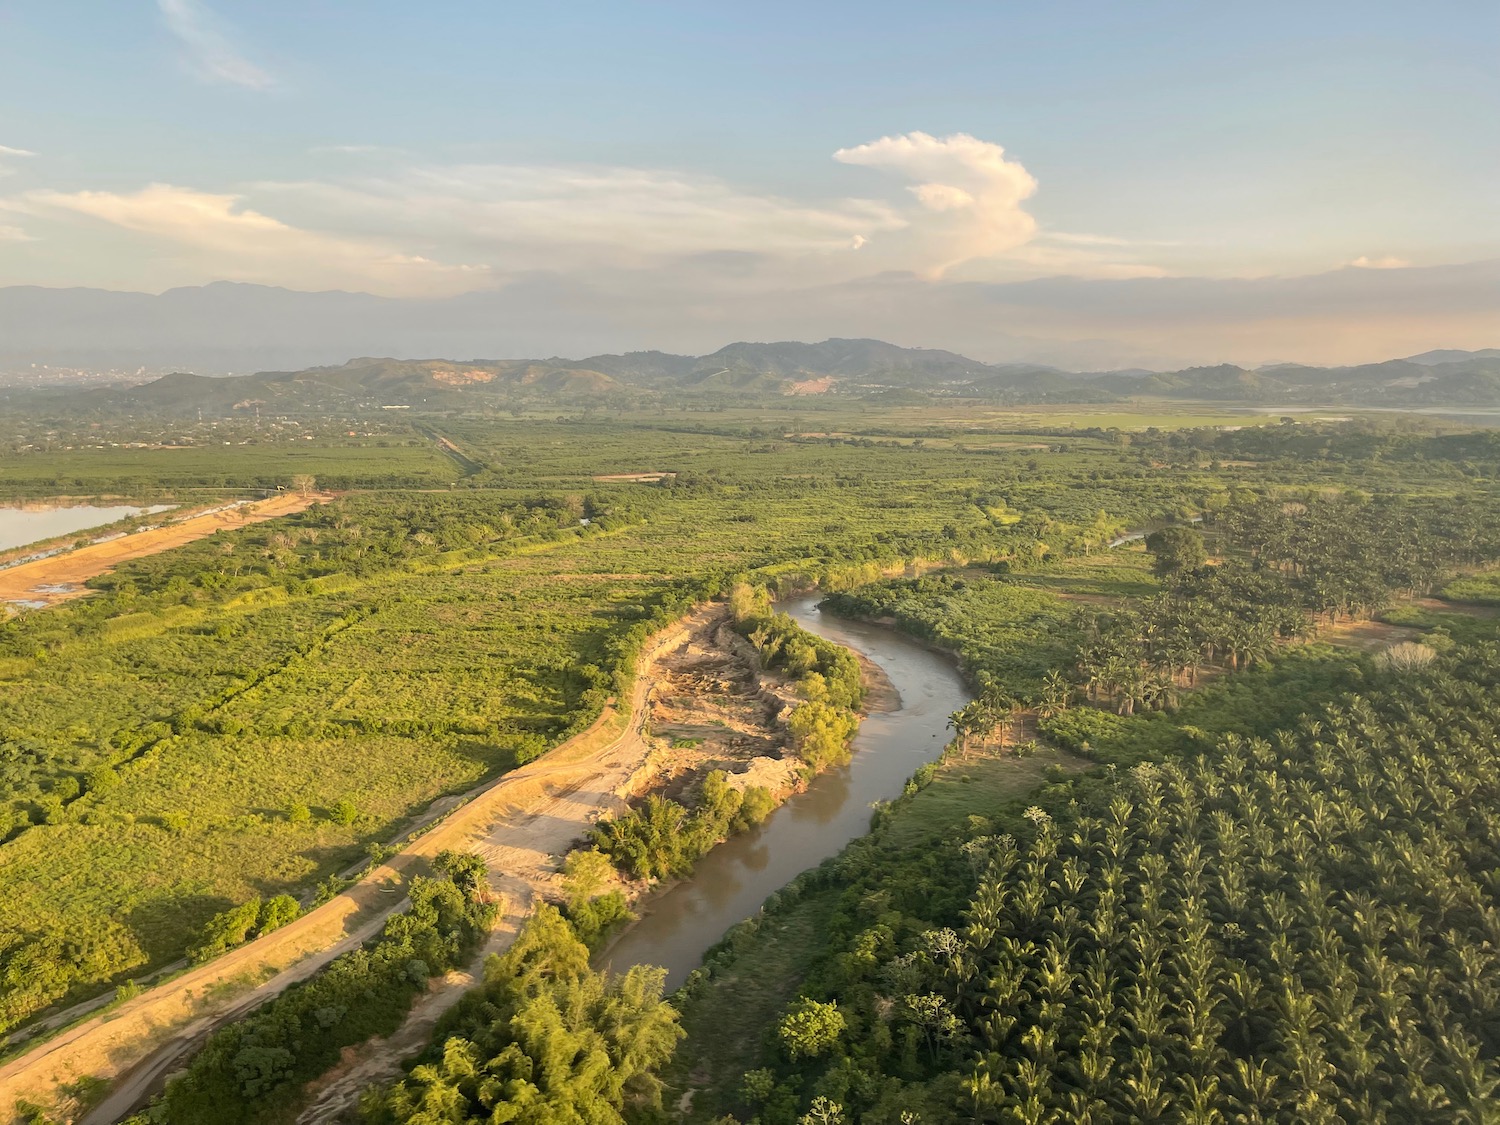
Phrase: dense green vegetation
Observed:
(221, 727)
(1203, 938)
(252, 1070)
(1268, 927)
(178, 744)
(662, 838)
(545, 1039)
(1007, 636)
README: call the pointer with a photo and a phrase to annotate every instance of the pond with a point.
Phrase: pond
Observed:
(20, 526)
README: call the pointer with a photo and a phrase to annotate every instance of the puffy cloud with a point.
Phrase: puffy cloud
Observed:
(210, 54)
(971, 193)
(244, 245)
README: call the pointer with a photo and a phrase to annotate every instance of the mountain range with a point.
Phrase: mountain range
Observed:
(742, 371)
(231, 327)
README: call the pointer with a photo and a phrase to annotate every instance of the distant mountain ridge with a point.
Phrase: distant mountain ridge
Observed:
(748, 370)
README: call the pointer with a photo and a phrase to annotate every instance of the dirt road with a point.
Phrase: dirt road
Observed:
(61, 577)
(523, 823)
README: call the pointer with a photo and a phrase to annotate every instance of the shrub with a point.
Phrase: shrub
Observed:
(277, 912)
(225, 931)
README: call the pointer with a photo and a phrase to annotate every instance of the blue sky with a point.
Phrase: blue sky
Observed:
(426, 149)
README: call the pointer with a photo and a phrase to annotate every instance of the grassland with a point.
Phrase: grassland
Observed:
(159, 740)
(384, 650)
(227, 469)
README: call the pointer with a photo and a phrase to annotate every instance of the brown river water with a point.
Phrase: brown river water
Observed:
(729, 884)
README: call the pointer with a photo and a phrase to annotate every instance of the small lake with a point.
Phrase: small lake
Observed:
(729, 884)
(20, 526)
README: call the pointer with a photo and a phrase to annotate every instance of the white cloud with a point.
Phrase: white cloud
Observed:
(558, 218)
(389, 226)
(14, 234)
(1363, 262)
(244, 245)
(210, 54)
(6, 150)
(972, 194)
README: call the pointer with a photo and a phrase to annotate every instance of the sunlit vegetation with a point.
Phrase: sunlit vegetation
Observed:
(1329, 963)
(181, 742)
(544, 1039)
(252, 1070)
(1262, 928)
(662, 838)
(1007, 636)
(224, 726)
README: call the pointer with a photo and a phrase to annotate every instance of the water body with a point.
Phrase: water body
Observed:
(20, 526)
(730, 883)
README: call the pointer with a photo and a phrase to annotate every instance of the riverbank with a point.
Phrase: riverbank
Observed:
(682, 922)
(759, 967)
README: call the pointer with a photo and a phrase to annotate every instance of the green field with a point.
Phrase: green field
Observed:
(393, 647)
(160, 739)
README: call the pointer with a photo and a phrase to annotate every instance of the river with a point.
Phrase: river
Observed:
(729, 884)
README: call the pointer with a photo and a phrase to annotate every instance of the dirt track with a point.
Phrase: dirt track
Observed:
(61, 577)
(523, 823)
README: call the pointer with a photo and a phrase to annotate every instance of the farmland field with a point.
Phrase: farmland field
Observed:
(247, 715)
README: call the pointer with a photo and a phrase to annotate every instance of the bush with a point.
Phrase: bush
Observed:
(662, 838)
(277, 912)
(225, 931)
(810, 1028)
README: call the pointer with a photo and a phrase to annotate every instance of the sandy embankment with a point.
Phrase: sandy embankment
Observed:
(61, 577)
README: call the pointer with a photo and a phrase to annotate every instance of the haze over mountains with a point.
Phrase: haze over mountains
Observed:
(1071, 323)
(741, 371)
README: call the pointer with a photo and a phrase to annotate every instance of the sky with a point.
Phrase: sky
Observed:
(1088, 181)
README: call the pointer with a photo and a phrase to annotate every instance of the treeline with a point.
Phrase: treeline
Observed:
(1286, 566)
(1290, 929)
(253, 1070)
(544, 1039)
(1473, 453)
(359, 536)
